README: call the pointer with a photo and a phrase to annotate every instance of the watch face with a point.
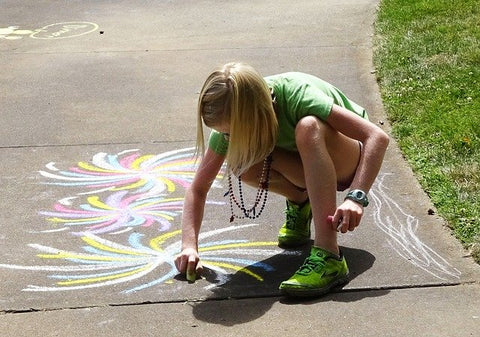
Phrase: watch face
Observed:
(358, 196)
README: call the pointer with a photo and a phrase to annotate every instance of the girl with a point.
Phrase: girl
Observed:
(295, 135)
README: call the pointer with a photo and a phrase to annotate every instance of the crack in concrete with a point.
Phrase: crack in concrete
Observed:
(198, 300)
(3, 147)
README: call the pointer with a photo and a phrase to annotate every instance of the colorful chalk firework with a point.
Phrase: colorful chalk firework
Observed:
(119, 213)
(138, 196)
(105, 263)
(128, 170)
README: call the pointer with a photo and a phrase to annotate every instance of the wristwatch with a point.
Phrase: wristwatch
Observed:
(358, 196)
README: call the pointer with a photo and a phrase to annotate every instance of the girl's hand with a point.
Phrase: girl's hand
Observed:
(188, 262)
(347, 217)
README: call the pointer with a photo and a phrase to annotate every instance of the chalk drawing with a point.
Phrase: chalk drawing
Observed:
(14, 33)
(105, 262)
(401, 229)
(118, 213)
(130, 193)
(128, 170)
(64, 30)
(60, 30)
(139, 189)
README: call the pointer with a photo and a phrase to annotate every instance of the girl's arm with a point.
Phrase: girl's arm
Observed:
(375, 142)
(195, 197)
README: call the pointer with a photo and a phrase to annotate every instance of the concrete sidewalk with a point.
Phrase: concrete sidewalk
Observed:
(96, 135)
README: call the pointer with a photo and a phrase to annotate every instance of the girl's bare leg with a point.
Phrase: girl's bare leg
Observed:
(320, 178)
(286, 176)
(312, 173)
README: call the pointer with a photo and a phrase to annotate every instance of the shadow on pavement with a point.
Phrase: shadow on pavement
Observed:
(242, 299)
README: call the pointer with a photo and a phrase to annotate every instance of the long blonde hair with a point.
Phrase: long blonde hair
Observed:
(238, 95)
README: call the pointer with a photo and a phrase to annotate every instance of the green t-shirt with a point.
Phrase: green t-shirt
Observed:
(297, 95)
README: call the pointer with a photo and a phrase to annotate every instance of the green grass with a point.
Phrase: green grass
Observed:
(427, 56)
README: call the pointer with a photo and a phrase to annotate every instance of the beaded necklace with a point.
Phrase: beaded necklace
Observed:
(260, 198)
(262, 190)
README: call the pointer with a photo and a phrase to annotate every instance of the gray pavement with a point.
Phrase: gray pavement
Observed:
(97, 128)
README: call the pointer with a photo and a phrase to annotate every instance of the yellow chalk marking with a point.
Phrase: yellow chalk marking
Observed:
(90, 167)
(137, 162)
(136, 184)
(159, 240)
(170, 185)
(95, 201)
(76, 220)
(236, 268)
(64, 255)
(102, 278)
(101, 246)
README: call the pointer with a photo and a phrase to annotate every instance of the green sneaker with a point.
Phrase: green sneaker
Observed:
(320, 272)
(296, 229)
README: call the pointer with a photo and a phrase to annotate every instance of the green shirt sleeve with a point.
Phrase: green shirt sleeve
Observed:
(309, 100)
(299, 95)
(218, 143)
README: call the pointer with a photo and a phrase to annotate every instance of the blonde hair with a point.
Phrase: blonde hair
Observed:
(238, 95)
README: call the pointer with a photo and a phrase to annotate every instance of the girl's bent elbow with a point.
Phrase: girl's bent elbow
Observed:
(381, 138)
(384, 139)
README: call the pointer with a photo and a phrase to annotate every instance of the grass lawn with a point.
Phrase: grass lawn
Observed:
(427, 56)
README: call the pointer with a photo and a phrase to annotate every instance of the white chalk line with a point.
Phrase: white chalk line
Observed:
(401, 229)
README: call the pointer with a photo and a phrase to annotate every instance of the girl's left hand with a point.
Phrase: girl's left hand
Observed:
(347, 216)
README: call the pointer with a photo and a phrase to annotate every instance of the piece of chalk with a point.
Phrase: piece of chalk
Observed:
(330, 220)
(191, 276)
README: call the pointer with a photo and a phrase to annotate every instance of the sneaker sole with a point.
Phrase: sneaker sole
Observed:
(315, 292)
